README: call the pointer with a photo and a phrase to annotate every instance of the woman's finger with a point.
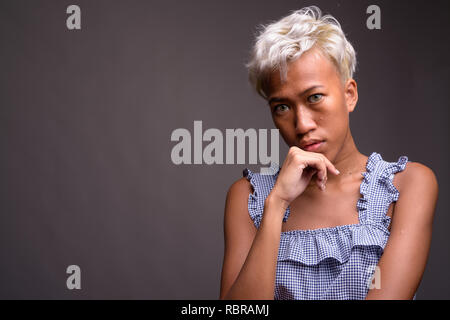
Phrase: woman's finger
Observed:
(320, 165)
(331, 166)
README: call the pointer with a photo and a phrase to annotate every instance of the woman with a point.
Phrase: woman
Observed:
(332, 223)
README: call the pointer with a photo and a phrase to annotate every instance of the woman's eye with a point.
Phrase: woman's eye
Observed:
(315, 97)
(281, 108)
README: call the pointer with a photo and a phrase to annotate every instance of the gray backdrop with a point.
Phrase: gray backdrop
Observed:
(86, 118)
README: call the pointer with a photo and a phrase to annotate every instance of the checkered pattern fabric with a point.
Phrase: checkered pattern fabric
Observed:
(337, 262)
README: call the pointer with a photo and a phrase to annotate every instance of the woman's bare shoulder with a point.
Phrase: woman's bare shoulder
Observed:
(416, 173)
(240, 187)
(236, 206)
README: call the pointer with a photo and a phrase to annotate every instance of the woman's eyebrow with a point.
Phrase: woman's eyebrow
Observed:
(278, 99)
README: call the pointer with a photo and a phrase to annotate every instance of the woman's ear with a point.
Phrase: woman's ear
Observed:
(351, 94)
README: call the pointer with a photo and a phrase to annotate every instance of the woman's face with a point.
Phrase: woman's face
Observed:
(313, 104)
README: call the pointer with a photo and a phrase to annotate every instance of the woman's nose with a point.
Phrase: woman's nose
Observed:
(304, 121)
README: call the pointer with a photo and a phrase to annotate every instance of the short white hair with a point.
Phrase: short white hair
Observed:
(286, 40)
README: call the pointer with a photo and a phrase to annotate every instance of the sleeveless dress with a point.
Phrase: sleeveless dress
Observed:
(336, 262)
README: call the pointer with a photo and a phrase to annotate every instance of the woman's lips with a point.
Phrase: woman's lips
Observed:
(313, 147)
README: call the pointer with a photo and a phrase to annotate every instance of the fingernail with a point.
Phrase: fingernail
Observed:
(337, 171)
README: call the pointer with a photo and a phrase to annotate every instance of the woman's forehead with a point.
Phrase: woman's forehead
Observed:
(311, 69)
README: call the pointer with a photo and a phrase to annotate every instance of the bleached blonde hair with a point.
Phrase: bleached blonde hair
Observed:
(285, 40)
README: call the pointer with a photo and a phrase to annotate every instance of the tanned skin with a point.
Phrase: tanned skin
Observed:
(314, 104)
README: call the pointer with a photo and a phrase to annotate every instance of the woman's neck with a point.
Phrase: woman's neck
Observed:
(349, 161)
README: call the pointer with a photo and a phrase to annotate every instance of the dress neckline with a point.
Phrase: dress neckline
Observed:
(370, 164)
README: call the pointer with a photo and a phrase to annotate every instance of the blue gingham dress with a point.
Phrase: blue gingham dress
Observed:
(336, 262)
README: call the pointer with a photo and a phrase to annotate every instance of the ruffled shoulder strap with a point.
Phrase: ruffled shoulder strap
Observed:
(377, 189)
(262, 184)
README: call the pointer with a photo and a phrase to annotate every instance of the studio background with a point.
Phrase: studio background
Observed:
(86, 117)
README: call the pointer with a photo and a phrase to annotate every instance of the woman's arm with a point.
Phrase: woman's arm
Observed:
(250, 258)
(403, 262)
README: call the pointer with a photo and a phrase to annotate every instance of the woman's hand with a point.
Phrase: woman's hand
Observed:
(297, 171)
